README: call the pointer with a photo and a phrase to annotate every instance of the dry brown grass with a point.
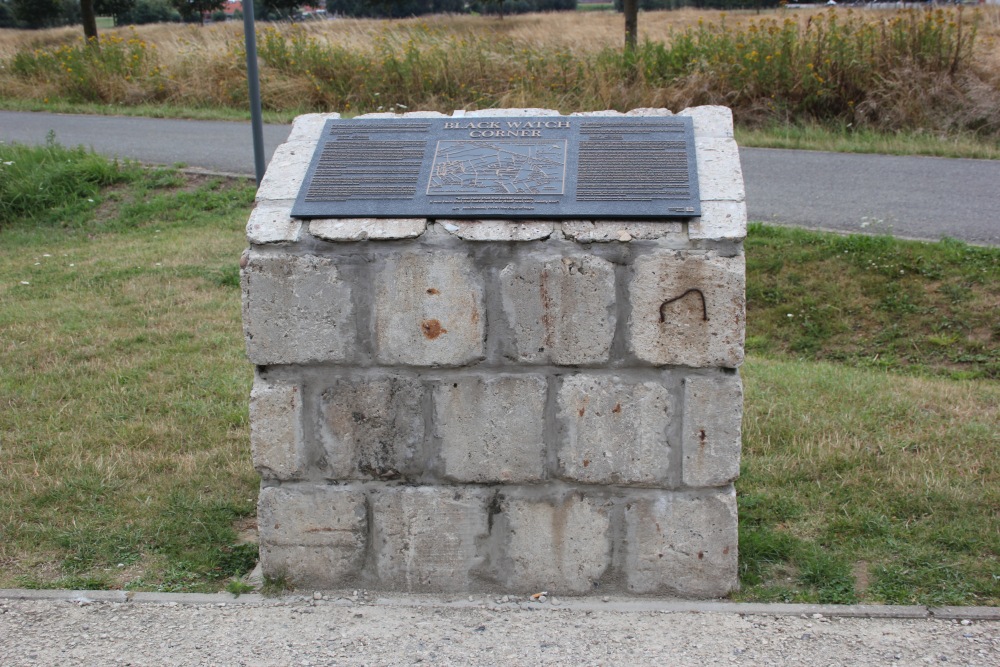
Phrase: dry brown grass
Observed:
(569, 61)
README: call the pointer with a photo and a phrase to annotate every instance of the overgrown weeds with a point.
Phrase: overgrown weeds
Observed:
(926, 70)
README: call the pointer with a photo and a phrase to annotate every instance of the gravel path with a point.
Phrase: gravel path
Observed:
(358, 630)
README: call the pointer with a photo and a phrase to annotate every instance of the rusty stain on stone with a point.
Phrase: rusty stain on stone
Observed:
(432, 328)
(433, 290)
(617, 408)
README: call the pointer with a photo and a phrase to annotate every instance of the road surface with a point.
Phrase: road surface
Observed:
(910, 197)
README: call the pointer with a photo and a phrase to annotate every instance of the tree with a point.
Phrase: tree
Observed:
(631, 8)
(196, 9)
(89, 20)
(38, 13)
(151, 11)
(7, 18)
(275, 9)
(119, 9)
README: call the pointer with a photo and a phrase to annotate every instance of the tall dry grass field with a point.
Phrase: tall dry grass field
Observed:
(932, 70)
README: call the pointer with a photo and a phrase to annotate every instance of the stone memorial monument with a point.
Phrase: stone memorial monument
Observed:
(464, 383)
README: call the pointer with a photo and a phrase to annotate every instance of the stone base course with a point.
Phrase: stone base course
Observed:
(509, 406)
(514, 539)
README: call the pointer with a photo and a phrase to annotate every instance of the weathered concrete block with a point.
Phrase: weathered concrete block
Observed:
(372, 427)
(560, 546)
(308, 127)
(286, 171)
(491, 428)
(688, 310)
(680, 545)
(710, 121)
(613, 432)
(316, 536)
(296, 310)
(428, 539)
(608, 231)
(647, 111)
(429, 310)
(498, 230)
(364, 229)
(720, 221)
(713, 411)
(561, 309)
(276, 441)
(270, 223)
(506, 113)
(605, 113)
(720, 177)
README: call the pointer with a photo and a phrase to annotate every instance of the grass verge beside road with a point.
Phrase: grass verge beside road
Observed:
(123, 433)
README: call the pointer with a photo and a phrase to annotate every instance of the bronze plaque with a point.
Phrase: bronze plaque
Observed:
(536, 167)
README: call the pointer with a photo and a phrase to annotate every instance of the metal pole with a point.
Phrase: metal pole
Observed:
(253, 81)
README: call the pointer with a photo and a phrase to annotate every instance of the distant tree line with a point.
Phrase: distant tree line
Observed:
(50, 13)
(404, 8)
(648, 5)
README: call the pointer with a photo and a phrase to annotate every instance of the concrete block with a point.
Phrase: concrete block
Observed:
(612, 431)
(429, 310)
(607, 231)
(372, 427)
(309, 127)
(379, 114)
(720, 221)
(277, 444)
(491, 428)
(509, 113)
(367, 229)
(424, 114)
(561, 545)
(286, 171)
(427, 539)
(271, 223)
(316, 535)
(720, 176)
(605, 113)
(713, 411)
(498, 230)
(646, 111)
(296, 310)
(701, 300)
(681, 545)
(710, 121)
(561, 309)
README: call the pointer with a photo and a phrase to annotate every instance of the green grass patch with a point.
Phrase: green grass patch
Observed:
(840, 139)
(874, 301)
(124, 443)
(867, 475)
(862, 485)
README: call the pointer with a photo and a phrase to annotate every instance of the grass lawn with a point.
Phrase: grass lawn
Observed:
(871, 438)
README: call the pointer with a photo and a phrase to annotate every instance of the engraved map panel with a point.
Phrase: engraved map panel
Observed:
(511, 167)
(545, 167)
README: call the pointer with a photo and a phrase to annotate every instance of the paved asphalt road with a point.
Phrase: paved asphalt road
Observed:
(912, 197)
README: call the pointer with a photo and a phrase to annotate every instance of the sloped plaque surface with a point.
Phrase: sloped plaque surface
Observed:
(536, 167)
